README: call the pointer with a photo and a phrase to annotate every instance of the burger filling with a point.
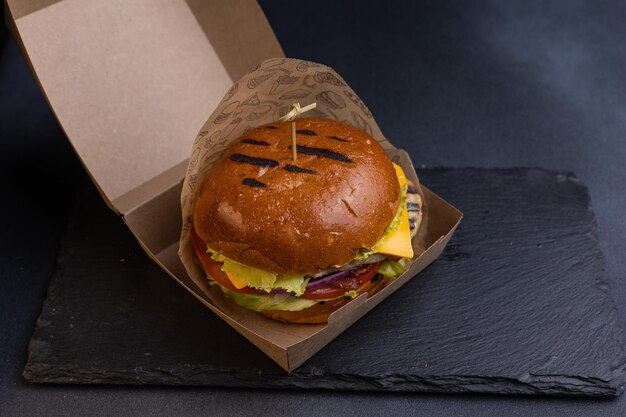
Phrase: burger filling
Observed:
(261, 290)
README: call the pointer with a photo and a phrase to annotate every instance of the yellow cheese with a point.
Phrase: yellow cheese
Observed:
(398, 242)
(237, 282)
(400, 175)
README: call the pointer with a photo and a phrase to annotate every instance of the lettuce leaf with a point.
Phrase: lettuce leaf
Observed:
(393, 269)
(260, 279)
(264, 302)
(281, 302)
(295, 283)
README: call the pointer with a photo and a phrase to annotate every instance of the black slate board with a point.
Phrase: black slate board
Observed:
(516, 304)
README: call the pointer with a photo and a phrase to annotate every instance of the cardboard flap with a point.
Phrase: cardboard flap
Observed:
(131, 83)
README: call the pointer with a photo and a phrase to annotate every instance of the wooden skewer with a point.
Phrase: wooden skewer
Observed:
(294, 146)
(291, 116)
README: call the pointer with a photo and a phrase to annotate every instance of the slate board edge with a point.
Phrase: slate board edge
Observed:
(618, 373)
(54, 374)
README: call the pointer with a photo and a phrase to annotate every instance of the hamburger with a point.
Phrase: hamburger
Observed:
(297, 239)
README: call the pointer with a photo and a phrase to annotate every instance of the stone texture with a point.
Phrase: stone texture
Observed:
(516, 304)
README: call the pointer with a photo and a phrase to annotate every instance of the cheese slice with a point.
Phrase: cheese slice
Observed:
(400, 175)
(237, 282)
(398, 242)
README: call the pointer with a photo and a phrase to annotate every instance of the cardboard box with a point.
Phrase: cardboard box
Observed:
(132, 83)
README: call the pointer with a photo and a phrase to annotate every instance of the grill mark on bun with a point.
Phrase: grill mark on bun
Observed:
(255, 142)
(299, 170)
(306, 132)
(271, 127)
(338, 138)
(246, 159)
(323, 153)
(251, 182)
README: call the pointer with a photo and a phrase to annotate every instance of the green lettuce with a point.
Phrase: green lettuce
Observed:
(392, 226)
(264, 302)
(393, 269)
(260, 279)
(281, 302)
(295, 283)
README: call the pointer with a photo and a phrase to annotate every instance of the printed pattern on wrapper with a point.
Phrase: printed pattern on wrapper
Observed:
(262, 96)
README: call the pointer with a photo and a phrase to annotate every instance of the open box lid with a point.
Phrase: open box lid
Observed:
(124, 76)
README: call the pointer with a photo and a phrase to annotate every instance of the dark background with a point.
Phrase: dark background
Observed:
(486, 83)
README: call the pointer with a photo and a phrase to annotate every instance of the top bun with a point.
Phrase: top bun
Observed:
(259, 207)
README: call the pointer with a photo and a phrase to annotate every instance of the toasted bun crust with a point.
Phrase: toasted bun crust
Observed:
(259, 207)
(319, 312)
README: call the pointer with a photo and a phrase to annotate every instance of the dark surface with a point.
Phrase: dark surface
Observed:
(516, 304)
(481, 83)
(3, 31)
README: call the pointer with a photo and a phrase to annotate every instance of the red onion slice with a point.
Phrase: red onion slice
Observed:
(318, 283)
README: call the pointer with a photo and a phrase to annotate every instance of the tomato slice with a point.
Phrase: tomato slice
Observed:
(214, 268)
(359, 283)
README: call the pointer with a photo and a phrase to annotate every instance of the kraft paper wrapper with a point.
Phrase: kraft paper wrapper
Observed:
(262, 96)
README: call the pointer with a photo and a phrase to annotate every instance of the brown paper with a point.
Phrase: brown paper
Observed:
(260, 97)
